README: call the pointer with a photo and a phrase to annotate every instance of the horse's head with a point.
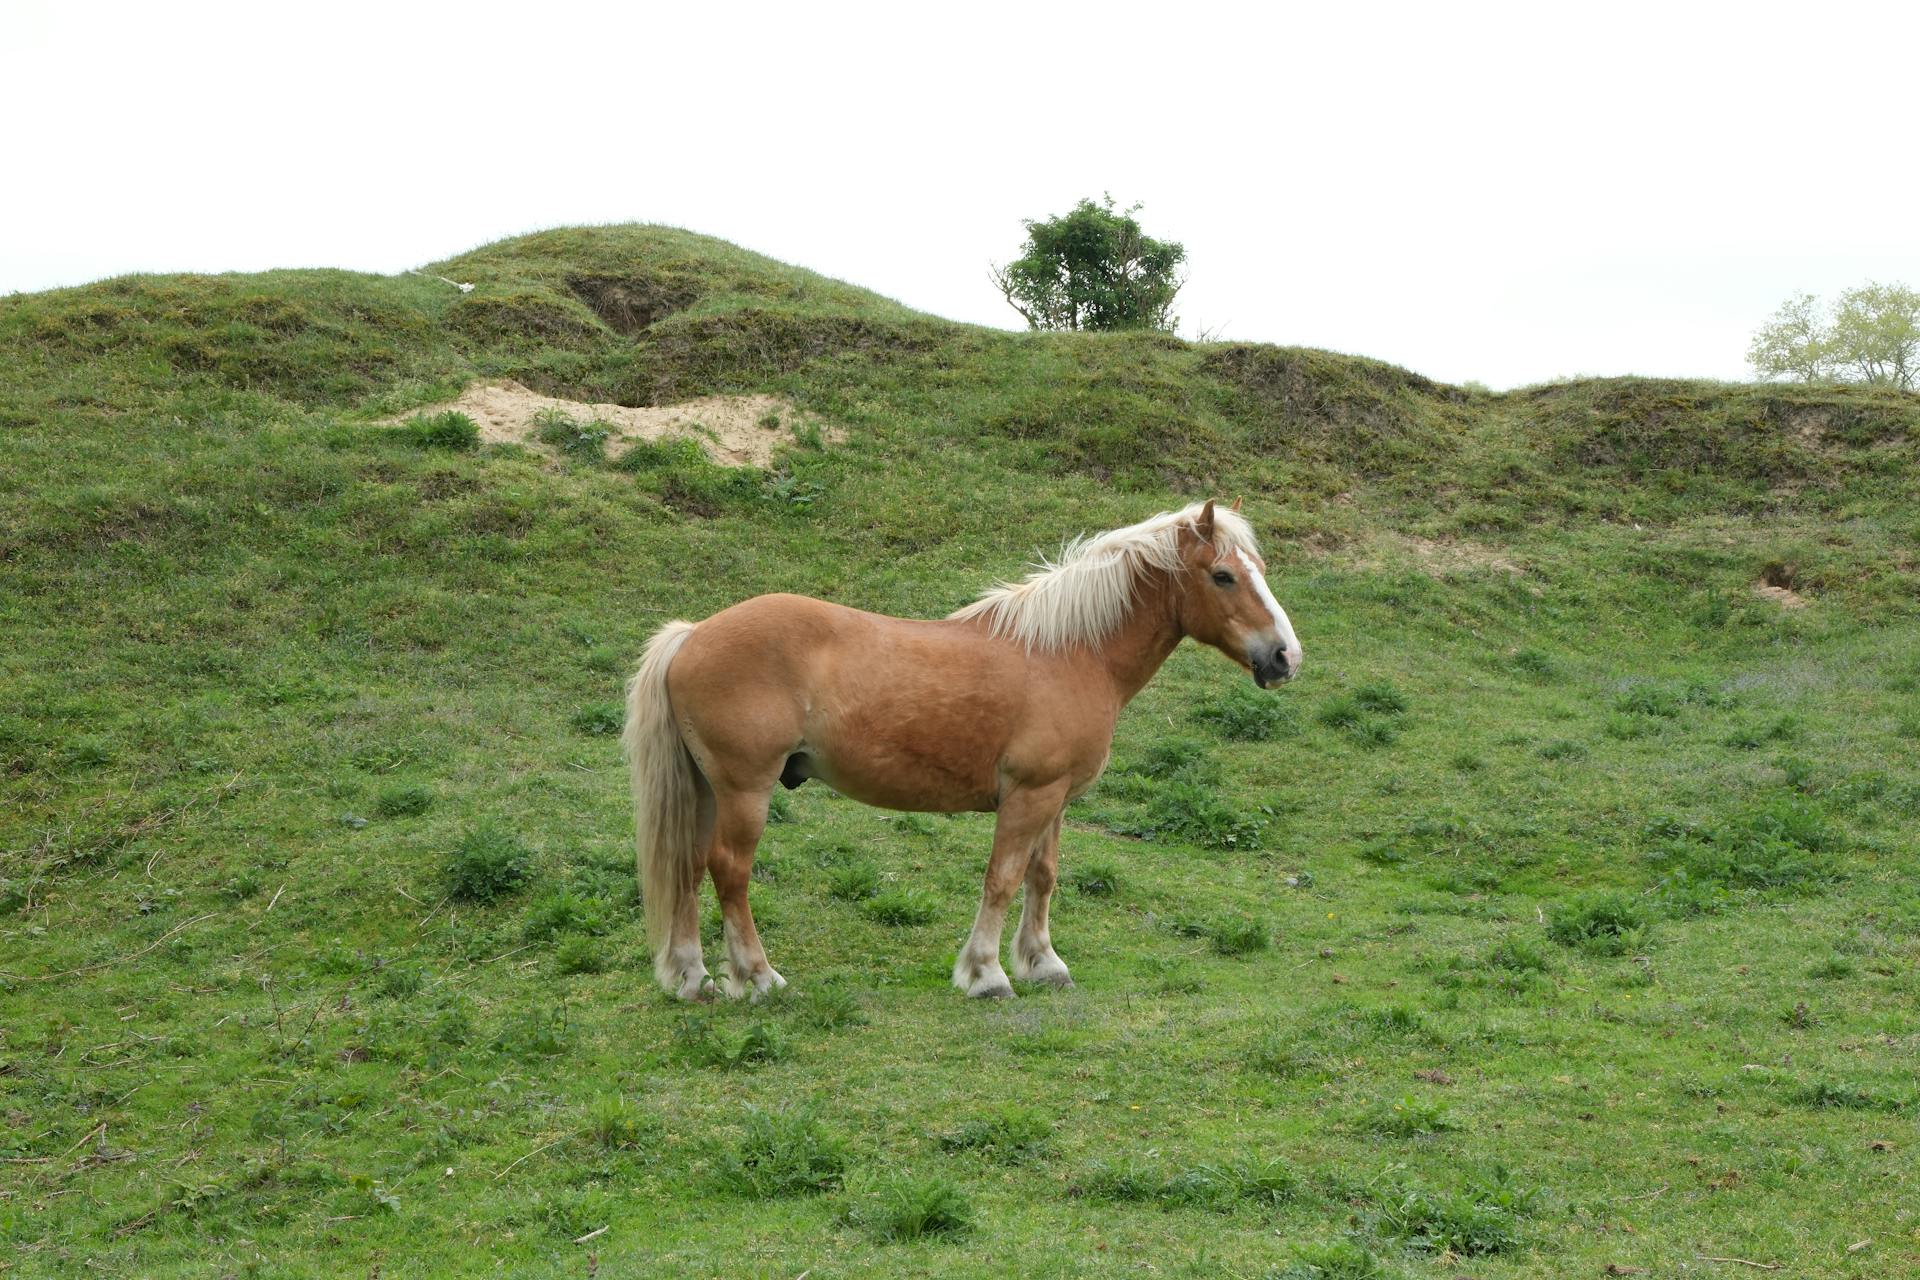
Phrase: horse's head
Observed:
(1224, 601)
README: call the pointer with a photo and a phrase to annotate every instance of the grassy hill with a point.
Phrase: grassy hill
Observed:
(1563, 914)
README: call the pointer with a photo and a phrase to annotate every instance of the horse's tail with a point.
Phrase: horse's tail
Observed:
(666, 794)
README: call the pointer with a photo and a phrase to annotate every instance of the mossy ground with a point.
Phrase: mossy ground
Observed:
(1588, 877)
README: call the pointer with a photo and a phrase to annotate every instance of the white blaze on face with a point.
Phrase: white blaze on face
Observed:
(1282, 628)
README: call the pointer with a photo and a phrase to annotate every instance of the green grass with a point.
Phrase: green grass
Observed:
(786, 1153)
(316, 876)
(1006, 1135)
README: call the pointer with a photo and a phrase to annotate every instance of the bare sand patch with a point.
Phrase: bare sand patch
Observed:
(735, 431)
(1436, 557)
(1785, 597)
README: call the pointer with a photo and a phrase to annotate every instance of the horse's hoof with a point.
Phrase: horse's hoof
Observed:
(1049, 971)
(1001, 990)
(766, 984)
(697, 992)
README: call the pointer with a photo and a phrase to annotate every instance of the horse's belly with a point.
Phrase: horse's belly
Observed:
(882, 773)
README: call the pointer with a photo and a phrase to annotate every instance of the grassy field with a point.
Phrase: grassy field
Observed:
(1562, 916)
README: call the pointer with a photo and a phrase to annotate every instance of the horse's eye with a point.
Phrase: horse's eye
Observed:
(1222, 577)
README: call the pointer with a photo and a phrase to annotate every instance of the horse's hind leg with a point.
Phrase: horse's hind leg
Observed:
(685, 957)
(1034, 959)
(739, 818)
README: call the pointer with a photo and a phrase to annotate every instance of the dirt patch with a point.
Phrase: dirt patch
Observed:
(735, 431)
(1785, 597)
(1777, 582)
(1437, 558)
(628, 306)
(1458, 556)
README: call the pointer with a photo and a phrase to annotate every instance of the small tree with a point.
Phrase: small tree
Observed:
(1093, 268)
(1876, 334)
(1794, 343)
(1871, 335)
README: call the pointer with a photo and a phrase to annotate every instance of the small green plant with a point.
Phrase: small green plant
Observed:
(1182, 759)
(397, 981)
(1783, 846)
(449, 430)
(1605, 923)
(403, 800)
(1094, 877)
(897, 1208)
(1370, 715)
(1238, 936)
(1380, 699)
(1482, 1216)
(1395, 1019)
(1562, 749)
(1408, 1116)
(616, 1124)
(556, 427)
(1190, 811)
(1536, 664)
(1845, 1095)
(783, 1153)
(1278, 1054)
(89, 753)
(1010, 1134)
(604, 720)
(1243, 714)
(1517, 955)
(1375, 734)
(787, 489)
(901, 907)
(1125, 1179)
(1340, 1260)
(705, 1044)
(535, 1034)
(854, 882)
(830, 1007)
(1385, 851)
(1266, 1183)
(1342, 711)
(1218, 1187)
(1622, 727)
(488, 864)
(666, 453)
(562, 911)
(1833, 968)
(578, 953)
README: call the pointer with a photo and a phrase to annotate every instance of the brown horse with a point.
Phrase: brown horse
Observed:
(1009, 705)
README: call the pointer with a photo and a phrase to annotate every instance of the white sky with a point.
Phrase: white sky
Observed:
(1501, 193)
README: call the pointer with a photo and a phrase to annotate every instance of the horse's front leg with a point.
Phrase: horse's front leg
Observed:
(1026, 817)
(1034, 959)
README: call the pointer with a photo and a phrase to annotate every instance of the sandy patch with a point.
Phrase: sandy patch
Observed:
(1785, 597)
(735, 431)
(1438, 558)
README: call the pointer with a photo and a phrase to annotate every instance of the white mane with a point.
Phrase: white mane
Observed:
(1083, 596)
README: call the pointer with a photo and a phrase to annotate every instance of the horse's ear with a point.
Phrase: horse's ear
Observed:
(1203, 523)
(1235, 506)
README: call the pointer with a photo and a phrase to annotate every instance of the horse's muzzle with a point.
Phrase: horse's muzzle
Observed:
(1271, 668)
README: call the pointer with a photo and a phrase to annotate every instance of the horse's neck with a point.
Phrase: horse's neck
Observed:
(1143, 642)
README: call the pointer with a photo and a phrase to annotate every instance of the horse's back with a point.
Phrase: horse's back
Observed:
(896, 711)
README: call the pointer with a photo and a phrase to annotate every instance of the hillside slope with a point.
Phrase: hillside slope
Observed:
(1563, 914)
